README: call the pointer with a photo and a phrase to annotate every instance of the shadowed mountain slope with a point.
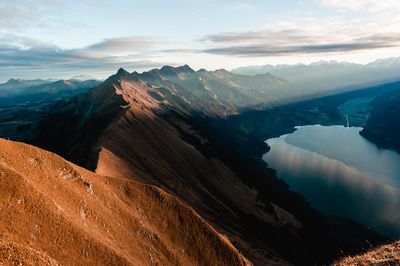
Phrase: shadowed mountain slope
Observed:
(382, 126)
(56, 213)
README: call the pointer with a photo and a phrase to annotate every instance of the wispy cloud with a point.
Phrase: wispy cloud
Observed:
(19, 53)
(122, 44)
(266, 50)
(311, 38)
(241, 6)
(20, 14)
(358, 5)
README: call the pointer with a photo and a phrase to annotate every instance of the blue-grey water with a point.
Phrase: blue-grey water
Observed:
(341, 173)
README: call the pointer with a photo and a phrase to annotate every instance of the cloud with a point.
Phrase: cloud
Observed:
(122, 44)
(266, 50)
(22, 13)
(358, 5)
(18, 53)
(311, 38)
(241, 6)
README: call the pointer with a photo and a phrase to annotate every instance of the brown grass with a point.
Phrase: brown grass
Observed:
(54, 212)
(386, 255)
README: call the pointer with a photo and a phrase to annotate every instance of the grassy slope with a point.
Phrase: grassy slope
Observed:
(56, 212)
(388, 255)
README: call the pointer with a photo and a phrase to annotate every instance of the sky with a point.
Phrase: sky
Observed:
(63, 39)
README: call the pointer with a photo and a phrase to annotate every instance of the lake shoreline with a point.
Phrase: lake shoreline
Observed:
(308, 163)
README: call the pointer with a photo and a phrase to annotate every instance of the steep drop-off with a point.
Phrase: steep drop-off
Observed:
(56, 213)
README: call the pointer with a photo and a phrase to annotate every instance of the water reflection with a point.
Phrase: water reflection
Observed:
(341, 173)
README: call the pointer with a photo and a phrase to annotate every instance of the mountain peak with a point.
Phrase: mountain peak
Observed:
(187, 68)
(122, 72)
(62, 82)
(13, 80)
(222, 70)
(170, 70)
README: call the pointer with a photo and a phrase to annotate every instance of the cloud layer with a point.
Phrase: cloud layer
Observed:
(58, 36)
(358, 5)
(311, 38)
(25, 54)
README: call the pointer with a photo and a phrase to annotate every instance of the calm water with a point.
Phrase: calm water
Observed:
(341, 173)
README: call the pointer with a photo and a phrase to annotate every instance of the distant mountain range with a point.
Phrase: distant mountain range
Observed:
(16, 90)
(331, 75)
(23, 103)
(16, 86)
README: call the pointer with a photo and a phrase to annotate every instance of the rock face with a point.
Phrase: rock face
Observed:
(139, 127)
(56, 213)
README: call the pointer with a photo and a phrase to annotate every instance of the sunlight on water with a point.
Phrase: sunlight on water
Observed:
(341, 173)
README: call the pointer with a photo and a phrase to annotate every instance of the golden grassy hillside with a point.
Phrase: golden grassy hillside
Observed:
(54, 212)
(386, 255)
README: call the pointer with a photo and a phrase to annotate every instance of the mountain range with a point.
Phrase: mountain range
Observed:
(23, 103)
(331, 75)
(153, 128)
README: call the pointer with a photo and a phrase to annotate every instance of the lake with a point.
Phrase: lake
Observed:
(341, 173)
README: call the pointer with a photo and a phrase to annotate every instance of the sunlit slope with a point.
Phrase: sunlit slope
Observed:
(384, 255)
(54, 212)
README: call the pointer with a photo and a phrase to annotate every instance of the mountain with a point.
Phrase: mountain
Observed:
(152, 128)
(15, 86)
(27, 102)
(384, 255)
(35, 91)
(328, 76)
(56, 213)
(216, 93)
(60, 86)
(382, 126)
